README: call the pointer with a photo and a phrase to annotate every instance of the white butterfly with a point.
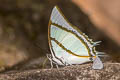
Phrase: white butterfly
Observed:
(68, 45)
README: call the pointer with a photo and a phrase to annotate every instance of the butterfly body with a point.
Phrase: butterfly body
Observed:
(68, 45)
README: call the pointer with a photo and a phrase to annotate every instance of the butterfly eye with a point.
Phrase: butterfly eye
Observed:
(91, 58)
(73, 31)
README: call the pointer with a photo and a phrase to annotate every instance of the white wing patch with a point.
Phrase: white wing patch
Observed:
(67, 58)
(69, 41)
(57, 18)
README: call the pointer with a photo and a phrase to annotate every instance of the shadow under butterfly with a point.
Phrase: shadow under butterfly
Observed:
(68, 45)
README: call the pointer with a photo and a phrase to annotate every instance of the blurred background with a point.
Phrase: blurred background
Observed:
(24, 25)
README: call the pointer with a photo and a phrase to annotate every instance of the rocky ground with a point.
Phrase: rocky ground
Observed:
(111, 71)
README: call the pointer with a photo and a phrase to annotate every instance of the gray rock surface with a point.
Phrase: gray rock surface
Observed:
(111, 71)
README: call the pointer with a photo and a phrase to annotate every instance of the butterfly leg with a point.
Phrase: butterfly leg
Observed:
(51, 64)
(66, 64)
(50, 58)
(57, 66)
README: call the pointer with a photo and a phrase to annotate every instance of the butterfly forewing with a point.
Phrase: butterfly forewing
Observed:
(58, 18)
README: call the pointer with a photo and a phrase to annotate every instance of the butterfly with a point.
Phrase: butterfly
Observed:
(68, 45)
